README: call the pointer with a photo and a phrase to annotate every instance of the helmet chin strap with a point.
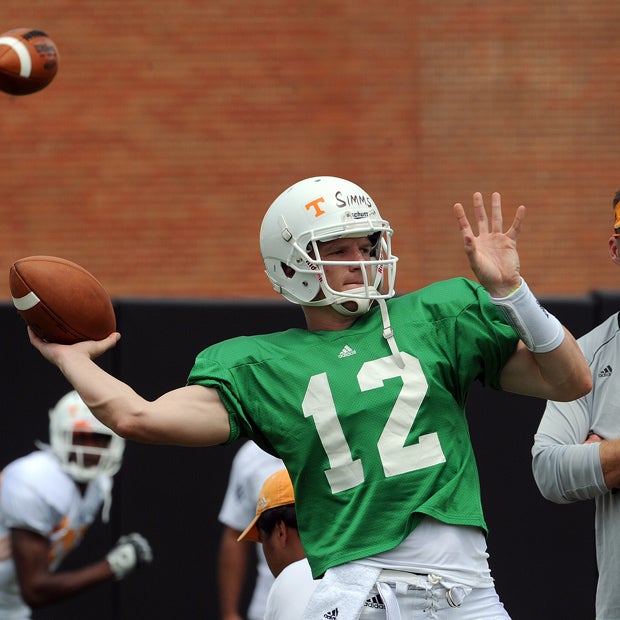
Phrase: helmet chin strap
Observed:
(388, 334)
(363, 305)
(359, 305)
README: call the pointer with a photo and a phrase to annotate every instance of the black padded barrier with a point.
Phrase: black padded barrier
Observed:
(541, 554)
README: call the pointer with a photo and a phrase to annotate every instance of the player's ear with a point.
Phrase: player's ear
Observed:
(281, 532)
(289, 272)
(614, 251)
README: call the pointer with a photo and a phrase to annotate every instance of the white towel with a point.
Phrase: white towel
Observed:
(345, 588)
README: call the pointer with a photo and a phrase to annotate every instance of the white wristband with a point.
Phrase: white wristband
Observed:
(540, 331)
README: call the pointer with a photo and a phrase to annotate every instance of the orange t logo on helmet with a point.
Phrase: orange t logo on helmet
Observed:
(315, 205)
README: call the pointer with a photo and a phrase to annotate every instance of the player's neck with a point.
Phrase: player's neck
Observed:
(325, 318)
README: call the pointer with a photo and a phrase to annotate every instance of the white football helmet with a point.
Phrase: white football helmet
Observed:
(69, 416)
(323, 209)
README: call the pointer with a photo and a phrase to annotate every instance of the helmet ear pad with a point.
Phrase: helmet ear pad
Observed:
(302, 285)
(289, 272)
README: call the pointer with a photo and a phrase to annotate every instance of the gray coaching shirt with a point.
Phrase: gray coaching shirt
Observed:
(566, 470)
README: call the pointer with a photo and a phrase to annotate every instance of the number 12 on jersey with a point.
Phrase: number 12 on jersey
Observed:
(397, 458)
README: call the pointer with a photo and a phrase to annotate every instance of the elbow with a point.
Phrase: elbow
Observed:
(584, 385)
(33, 601)
(35, 597)
(552, 484)
(577, 387)
(556, 498)
(582, 382)
(548, 484)
(551, 492)
(128, 428)
(553, 495)
(136, 427)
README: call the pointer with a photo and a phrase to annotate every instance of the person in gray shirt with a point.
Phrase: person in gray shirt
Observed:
(576, 451)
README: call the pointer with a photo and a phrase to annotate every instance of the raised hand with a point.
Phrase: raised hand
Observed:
(492, 254)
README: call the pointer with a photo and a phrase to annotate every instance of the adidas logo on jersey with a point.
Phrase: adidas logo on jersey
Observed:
(606, 372)
(347, 351)
(331, 615)
(375, 602)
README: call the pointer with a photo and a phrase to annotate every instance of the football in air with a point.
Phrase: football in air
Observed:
(28, 61)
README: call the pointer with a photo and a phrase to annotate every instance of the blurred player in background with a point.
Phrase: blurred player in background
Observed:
(48, 500)
(576, 452)
(366, 407)
(275, 526)
(250, 468)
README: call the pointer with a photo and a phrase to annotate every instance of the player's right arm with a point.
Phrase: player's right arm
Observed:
(189, 416)
(38, 585)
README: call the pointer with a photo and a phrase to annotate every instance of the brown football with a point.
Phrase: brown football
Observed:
(28, 61)
(60, 301)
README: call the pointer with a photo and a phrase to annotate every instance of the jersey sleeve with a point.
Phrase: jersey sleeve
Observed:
(23, 506)
(212, 368)
(208, 372)
(471, 333)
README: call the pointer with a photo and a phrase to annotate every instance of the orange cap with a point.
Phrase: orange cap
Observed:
(277, 491)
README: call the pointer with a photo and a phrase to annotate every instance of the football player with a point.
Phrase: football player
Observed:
(48, 500)
(366, 407)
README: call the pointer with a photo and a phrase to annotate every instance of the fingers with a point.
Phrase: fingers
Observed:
(497, 222)
(110, 341)
(496, 212)
(95, 348)
(461, 218)
(481, 214)
(464, 227)
(515, 228)
(92, 348)
(482, 221)
(34, 339)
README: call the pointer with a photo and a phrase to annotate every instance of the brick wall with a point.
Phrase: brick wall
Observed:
(171, 126)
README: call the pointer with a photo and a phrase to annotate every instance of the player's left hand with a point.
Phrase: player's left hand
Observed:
(131, 551)
(492, 254)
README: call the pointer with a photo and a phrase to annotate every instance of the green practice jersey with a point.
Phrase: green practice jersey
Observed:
(371, 448)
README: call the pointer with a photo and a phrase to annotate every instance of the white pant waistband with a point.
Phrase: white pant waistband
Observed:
(413, 579)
